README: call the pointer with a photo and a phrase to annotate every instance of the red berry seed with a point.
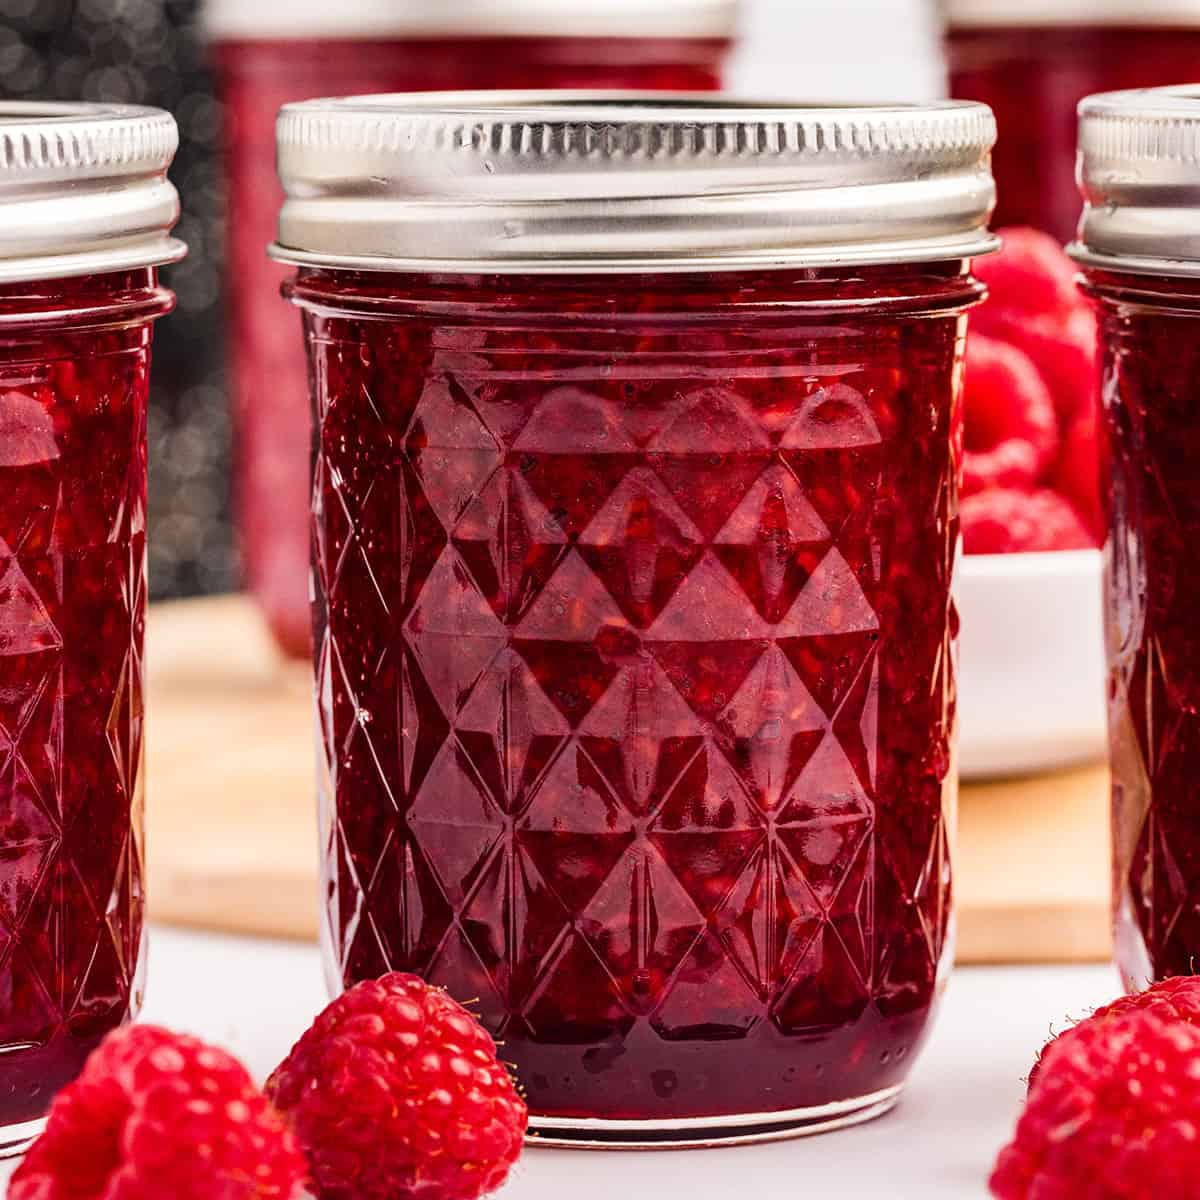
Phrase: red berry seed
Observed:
(396, 1092)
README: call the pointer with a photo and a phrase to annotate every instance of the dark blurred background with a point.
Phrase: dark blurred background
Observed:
(151, 52)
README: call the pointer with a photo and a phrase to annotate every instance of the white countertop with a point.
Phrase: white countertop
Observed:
(255, 997)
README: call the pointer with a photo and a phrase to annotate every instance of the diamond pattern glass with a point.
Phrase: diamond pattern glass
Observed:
(72, 605)
(635, 670)
(1151, 353)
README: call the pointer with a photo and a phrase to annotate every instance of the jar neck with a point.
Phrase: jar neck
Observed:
(908, 289)
(1126, 289)
(85, 301)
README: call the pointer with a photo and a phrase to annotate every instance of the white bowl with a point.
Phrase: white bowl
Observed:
(1031, 662)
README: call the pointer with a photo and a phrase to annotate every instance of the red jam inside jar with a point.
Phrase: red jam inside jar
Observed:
(1033, 77)
(635, 667)
(1150, 333)
(256, 77)
(74, 357)
(1140, 182)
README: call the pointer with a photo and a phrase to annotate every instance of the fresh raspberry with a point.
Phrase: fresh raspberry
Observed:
(1030, 274)
(395, 1092)
(1033, 304)
(1064, 354)
(1011, 464)
(1005, 399)
(1004, 521)
(153, 1115)
(1076, 473)
(1114, 1115)
(1172, 1000)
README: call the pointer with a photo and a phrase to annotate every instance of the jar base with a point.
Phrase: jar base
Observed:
(698, 1132)
(16, 1139)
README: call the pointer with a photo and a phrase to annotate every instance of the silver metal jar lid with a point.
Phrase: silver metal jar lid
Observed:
(1139, 171)
(557, 182)
(298, 19)
(982, 14)
(83, 189)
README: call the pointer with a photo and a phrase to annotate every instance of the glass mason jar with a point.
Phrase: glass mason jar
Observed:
(85, 209)
(1032, 61)
(1139, 245)
(268, 54)
(634, 546)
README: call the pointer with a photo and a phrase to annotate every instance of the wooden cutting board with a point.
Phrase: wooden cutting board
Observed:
(232, 837)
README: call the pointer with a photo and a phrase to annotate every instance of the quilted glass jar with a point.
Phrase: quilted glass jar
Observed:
(1032, 61)
(84, 214)
(1140, 165)
(634, 542)
(267, 54)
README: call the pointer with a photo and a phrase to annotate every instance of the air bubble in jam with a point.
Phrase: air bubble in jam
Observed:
(72, 600)
(664, 782)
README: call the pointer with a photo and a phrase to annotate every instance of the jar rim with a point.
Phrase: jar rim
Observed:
(290, 20)
(993, 14)
(555, 182)
(1139, 175)
(84, 189)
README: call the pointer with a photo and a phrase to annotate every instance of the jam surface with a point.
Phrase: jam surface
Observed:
(635, 650)
(271, 393)
(1150, 333)
(1033, 79)
(72, 600)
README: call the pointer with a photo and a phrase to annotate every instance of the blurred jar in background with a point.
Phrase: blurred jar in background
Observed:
(1032, 61)
(270, 53)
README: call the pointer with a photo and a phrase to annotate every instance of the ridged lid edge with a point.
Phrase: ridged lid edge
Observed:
(84, 189)
(555, 181)
(1139, 174)
(38, 138)
(442, 122)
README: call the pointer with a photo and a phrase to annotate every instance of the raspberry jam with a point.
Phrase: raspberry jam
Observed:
(74, 356)
(271, 393)
(635, 639)
(1033, 76)
(1150, 332)
(635, 664)
(1140, 181)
